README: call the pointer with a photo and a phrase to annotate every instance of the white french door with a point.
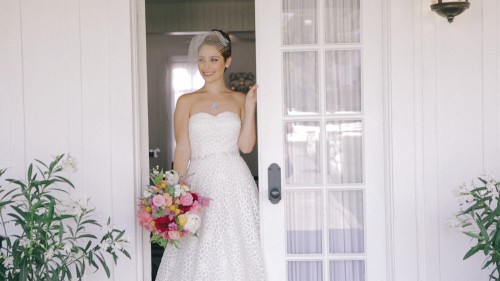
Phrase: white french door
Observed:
(320, 119)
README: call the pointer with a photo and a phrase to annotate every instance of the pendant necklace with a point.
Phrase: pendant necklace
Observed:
(214, 105)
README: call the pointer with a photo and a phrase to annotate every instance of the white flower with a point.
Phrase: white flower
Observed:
(107, 229)
(70, 163)
(193, 223)
(67, 247)
(49, 254)
(172, 177)
(117, 246)
(147, 193)
(455, 223)
(77, 206)
(106, 244)
(127, 239)
(8, 261)
(24, 242)
(177, 190)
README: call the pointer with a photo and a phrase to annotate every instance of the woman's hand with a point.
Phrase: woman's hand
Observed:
(251, 100)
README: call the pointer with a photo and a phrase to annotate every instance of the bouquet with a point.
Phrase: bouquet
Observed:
(169, 209)
(479, 218)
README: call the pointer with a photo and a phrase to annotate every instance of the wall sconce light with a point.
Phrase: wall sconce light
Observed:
(450, 9)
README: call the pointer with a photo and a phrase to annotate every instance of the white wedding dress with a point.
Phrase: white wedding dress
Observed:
(228, 246)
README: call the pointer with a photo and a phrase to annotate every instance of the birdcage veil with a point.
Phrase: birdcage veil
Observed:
(212, 38)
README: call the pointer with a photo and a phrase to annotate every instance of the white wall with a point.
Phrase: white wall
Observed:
(66, 86)
(444, 112)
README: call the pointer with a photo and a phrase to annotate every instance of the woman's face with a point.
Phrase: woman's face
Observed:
(211, 63)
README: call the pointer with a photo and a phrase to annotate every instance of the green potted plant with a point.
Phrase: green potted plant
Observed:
(49, 237)
(479, 219)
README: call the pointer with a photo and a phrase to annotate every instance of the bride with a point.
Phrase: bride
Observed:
(212, 126)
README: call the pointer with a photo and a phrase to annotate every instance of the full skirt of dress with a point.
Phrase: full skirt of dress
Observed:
(228, 245)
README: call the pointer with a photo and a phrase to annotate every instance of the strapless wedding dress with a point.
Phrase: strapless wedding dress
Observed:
(228, 246)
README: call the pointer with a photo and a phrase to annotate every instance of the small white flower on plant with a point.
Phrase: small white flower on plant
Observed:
(70, 163)
(49, 254)
(67, 247)
(8, 261)
(454, 223)
(193, 223)
(106, 244)
(107, 229)
(171, 177)
(117, 246)
(24, 242)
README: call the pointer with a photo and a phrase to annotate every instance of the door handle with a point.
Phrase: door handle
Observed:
(274, 183)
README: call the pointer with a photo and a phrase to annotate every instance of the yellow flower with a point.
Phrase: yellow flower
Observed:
(163, 185)
(183, 219)
(153, 223)
(172, 208)
(148, 209)
(177, 211)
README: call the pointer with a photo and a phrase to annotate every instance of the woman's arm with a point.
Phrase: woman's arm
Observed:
(248, 134)
(182, 152)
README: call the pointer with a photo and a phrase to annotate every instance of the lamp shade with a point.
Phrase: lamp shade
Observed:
(450, 9)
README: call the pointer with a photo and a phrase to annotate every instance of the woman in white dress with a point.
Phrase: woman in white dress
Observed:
(212, 126)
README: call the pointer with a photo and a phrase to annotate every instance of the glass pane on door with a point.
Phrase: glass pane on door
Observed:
(304, 222)
(343, 81)
(305, 270)
(346, 233)
(347, 270)
(342, 21)
(344, 151)
(301, 90)
(299, 22)
(302, 153)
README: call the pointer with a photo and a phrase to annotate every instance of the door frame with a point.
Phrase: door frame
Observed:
(141, 131)
(141, 134)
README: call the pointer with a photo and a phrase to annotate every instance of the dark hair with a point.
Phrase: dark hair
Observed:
(225, 52)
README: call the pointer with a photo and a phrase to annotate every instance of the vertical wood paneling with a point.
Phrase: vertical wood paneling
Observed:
(12, 144)
(72, 80)
(490, 62)
(121, 123)
(430, 189)
(44, 89)
(419, 141)
(66, 87)
(96, 106)
(497, 87)
(403, 134)
(444, 130)
(460, 130)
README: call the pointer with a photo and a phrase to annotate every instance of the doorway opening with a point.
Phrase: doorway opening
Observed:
(170, 25)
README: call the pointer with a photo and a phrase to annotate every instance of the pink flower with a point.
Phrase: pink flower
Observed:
(145, 219)
(172, 226)
(174, 235)
(196, 208)
(159, 200)
(204, 201)
(168, 199)
(187, 199)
